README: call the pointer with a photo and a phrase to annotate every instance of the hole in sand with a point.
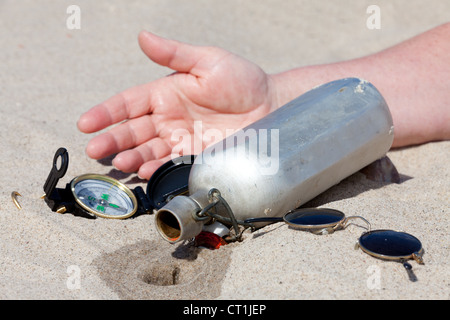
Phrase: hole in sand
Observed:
(158, 270)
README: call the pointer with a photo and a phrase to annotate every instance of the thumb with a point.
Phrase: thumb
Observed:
(176, 55)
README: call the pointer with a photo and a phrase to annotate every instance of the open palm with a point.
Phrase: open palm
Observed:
(223, 90)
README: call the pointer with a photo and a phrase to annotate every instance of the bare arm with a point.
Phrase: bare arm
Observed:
(413, 77)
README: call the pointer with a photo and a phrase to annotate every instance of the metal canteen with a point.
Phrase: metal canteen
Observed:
(316, 140)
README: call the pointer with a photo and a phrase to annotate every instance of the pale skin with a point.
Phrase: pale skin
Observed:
(226, 91)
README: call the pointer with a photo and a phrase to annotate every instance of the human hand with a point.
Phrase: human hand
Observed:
(223, 90)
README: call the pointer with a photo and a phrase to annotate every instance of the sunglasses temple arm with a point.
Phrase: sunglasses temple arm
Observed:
(265, 219)
(412, 277)
(357, 217)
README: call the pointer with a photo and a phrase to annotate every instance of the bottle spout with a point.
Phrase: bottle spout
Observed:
(175, 221)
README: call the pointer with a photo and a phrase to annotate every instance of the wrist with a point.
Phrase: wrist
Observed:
(288, 85)
(293, 83)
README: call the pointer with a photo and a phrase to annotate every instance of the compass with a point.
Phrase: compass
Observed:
(95, 195)
(104, 196)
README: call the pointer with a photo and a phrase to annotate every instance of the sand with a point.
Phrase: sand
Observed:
(50, 74)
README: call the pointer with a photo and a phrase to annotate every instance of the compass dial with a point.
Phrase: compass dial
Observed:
(104, 196)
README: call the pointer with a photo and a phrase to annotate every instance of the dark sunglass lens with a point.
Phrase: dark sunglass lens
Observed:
(390, 243)
(314, 217)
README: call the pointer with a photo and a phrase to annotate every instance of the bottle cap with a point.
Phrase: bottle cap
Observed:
(209, 240)
(218, 228)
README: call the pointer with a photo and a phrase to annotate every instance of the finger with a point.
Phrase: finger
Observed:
(176, 55)
(122, 137)
(132, 160)
(147, 169)
(131, 103)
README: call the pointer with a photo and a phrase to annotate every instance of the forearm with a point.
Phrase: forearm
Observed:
(413, 77)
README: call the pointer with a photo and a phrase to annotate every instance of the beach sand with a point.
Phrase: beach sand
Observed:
(51, 74)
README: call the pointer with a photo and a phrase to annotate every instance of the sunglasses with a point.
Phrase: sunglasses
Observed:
(382, 244)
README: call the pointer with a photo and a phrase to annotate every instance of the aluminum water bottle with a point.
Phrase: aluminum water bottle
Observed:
(285, 159)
